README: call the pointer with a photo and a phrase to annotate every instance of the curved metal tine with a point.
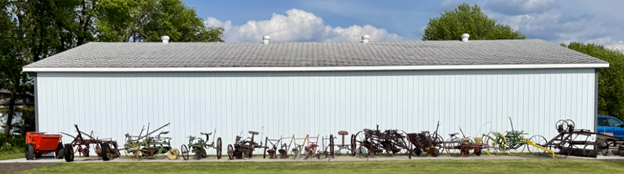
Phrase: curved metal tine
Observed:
(84, 133)
(68, 135)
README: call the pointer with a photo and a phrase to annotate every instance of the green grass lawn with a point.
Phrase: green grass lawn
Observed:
(551, 166)
(5, 156)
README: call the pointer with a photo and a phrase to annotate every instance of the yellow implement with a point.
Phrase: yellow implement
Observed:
(540, 147)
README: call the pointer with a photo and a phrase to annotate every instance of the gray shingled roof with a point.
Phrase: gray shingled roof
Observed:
(315, 54)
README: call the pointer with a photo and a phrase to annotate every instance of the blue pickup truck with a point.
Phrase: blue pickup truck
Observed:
(611, 124)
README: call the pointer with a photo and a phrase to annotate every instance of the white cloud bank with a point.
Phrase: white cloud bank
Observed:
(297, 26)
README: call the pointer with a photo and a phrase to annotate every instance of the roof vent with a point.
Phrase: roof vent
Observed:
(465, 37)
(365, 39)
(165, 39)
(265, 39)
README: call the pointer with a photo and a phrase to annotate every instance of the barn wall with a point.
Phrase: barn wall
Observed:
(286, 103)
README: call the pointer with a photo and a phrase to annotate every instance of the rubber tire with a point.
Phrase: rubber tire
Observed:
(106, 152)
(30, 151)
(69, 153)
(60, 151)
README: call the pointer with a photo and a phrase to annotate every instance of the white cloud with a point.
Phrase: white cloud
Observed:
(609, 43)
(519, 7)
(297, 25)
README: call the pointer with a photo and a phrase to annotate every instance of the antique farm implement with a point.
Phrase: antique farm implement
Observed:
(578, 142)
(432, 144)
(297, 148)
(497, 143)
(105, 148)
(244, 147)
(464, 145)
(311, 146)
(349, 147)
(145, 146)
(273, 149)
(39, 143)
(375, 141)
(200, 146)
(327, 147)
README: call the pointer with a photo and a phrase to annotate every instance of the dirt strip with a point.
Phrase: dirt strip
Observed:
(14, 167)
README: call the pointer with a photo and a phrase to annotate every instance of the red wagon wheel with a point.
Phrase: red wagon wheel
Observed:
(185, 152)
(230, 151)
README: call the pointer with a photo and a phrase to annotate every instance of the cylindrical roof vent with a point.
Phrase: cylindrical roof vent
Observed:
(365, 39)
(465, 37)
(165, 39)
(265, 39)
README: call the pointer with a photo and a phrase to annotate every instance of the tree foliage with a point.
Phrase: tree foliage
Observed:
(148, 20)
(610, 80)
(466, 19)
(35, 29)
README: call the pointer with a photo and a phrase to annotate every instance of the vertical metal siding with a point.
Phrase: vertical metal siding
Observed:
(300, 103)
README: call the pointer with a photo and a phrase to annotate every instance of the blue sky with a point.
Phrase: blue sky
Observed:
(557, 21)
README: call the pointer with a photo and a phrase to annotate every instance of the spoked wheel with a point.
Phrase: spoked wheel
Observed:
(364, 149)
(185, 152)
(331, 146)
(571, 123)
(452, 146)
(219, 148)
(406, 144)
(230, 151)
(537, 140)
(353, 144)
(438, 142)
(562, 126)
(603, 148)
(495, 145)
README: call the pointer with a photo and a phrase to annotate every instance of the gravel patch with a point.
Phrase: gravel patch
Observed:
(14, 167)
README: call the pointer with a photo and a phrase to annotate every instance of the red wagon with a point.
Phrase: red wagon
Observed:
(39, 143)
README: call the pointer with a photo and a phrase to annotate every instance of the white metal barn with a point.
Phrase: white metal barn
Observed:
(281, 89)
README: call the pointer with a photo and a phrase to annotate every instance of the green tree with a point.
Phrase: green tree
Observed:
(466, 19)
(610, 80)
(148, 20)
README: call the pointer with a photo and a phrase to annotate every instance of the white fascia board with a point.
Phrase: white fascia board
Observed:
(334, 68)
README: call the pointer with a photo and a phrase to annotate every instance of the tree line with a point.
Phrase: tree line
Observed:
(32, 30)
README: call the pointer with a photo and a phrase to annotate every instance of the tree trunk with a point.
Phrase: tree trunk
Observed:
(9, 126)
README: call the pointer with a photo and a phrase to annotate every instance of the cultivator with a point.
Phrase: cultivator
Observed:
(105, 148)
(580, 142)
(200, 146)
(147, 146)
(245, 147)
(432, 144)
(464, 145)
(273, 148)
(375, 142)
